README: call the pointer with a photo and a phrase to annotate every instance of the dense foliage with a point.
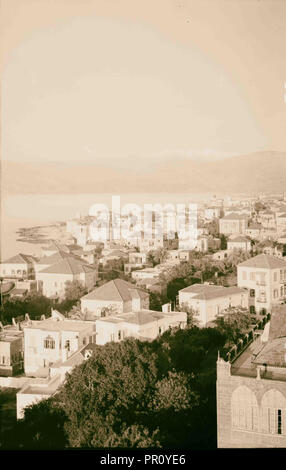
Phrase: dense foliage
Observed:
(132, 394)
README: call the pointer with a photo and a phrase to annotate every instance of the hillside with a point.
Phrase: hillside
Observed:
(262, 171)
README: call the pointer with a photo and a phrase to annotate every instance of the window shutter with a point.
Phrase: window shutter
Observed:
(272, 420)
(265, 420)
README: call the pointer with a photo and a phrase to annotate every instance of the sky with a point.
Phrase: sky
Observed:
(142, 81)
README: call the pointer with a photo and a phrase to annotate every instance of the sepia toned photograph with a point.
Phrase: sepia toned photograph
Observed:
(143, 228)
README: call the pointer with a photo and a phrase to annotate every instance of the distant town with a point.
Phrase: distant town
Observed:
(58, 310)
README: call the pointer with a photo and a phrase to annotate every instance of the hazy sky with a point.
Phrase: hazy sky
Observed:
(142, 80)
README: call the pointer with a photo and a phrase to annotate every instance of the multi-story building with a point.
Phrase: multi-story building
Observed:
(265, 278)
(233, 224)
(18, 267)
(52, 339)
(52, 280)
(281, 223)
(251, 389)
(209, 301)
(11, 350)
(37, 389)
(117, 296)
(239, 243)
(254, 230)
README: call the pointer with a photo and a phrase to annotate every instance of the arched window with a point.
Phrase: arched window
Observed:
(49, 343)
(273, 413)
(244, 409)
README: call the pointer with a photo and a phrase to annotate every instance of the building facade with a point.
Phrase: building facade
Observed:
(265, 278)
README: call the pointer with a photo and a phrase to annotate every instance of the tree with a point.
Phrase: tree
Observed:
(34, 304)
(192, 315)
(173, 392)
(74, 290)
(174, 286)
(157, 256)
(233, 324)
(133, 394)
(223, 241)
(41, 428)
(156, 301)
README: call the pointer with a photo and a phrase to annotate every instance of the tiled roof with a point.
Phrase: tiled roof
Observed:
(117, 289)
(207, 292)
(278, 322)
(20, 259)
(69, 265)
(263, 261)
(138, 318)
(54, 258)
(118, 253)
(141, 317)
(273, 354)
(55, 245)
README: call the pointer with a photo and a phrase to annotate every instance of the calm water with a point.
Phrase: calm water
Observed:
(42, 209)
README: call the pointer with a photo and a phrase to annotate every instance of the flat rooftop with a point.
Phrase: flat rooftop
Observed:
(51, 324)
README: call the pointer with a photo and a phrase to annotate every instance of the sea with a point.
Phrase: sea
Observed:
(29, 210)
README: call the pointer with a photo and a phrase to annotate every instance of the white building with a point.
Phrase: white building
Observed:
(208, 301)
(37, 389)
(117, 295)
(146, 273)
(52, 339)
(53, 279)
(233, 224)
(18, 267)
(239, 243)
(144, 325)
(265, 278)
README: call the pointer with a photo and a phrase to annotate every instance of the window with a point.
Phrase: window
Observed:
(279, 422)
(275, 293)
(67, 345)
(244, 275)
(160, 330)
(252, 276)
(252, 293)
(275, 276)
(119, 335)
(49, 343)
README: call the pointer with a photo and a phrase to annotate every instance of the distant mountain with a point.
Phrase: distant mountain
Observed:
(262, 171)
